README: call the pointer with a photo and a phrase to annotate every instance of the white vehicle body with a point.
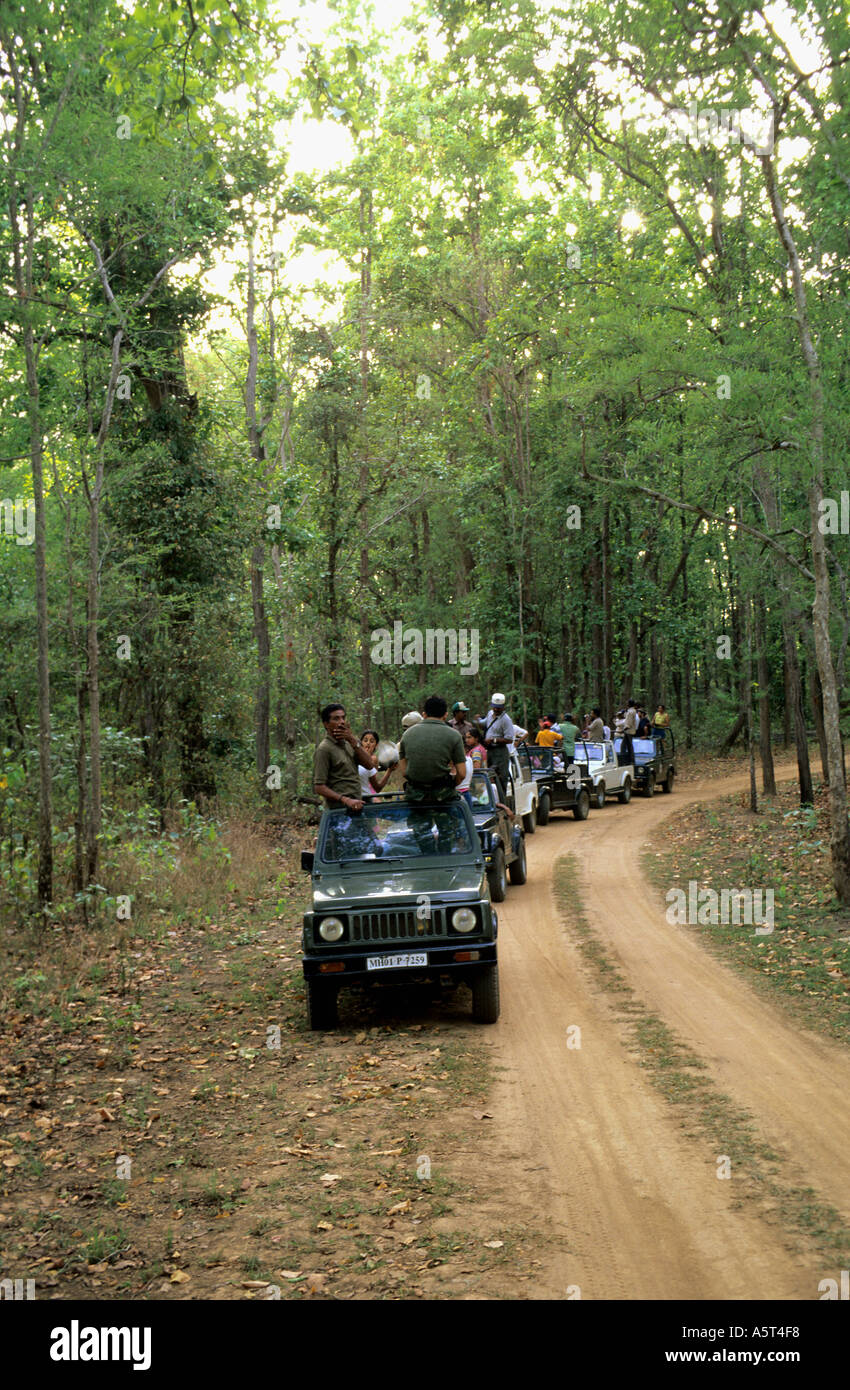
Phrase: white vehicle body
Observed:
(608, 779)
(523, 791)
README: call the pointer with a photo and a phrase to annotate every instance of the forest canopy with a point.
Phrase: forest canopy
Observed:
(551, 351)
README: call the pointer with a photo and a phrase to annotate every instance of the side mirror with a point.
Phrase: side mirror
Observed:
(307, 858)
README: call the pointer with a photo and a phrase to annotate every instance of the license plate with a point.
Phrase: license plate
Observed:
(402, 962)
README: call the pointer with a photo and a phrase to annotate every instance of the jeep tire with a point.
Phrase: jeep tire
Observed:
(544, 806)
(485, 995)
(517, 869)
(581, 810)
(625, 796)
(321, 1005)
(599, 795)
(667, 784)
(529, 821)
(496, 876)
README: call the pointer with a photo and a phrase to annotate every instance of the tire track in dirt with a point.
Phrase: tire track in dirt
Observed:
(795, 1082)
(636, 1208)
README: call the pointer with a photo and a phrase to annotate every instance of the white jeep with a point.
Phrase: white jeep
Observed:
(608, 777)
(521, 793)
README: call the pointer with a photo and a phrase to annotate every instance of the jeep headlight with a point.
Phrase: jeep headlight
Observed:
(464, 919)
(331, 929)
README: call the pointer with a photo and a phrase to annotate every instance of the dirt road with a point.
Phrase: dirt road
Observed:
(636, 1207)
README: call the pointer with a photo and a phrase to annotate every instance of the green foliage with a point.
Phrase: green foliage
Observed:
(529, 310)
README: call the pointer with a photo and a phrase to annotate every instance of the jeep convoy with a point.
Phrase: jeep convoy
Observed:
(404, 892)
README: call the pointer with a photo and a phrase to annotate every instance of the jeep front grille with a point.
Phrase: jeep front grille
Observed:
(394, 926)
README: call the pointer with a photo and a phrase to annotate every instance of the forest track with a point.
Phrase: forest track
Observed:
(635, 1206)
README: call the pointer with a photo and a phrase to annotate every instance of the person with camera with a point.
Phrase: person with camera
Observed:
(370, 782)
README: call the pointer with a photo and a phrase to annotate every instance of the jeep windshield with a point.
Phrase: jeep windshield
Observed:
(385, 832)
(541, 759)
(480, 791)
(643, 749)
(589, 753)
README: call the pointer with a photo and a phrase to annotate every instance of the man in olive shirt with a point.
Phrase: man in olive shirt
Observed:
(569, 732)
(432, 756)
(335, 775)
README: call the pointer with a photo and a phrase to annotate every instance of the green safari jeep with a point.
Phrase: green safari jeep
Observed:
(399, 894)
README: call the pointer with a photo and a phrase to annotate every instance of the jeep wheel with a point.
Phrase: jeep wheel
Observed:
(517, 870)
(321, 1005)
(667, 784)
(649, 785)
(599, 795)
(529, 821)
(625, 795)
(497, 878)
(581, 810)
(544, 806)
(485, 995)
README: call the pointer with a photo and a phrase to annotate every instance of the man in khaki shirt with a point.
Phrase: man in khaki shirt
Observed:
(335, 775)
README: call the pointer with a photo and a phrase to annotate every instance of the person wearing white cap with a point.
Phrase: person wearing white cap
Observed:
(498, 738)
(408, 721)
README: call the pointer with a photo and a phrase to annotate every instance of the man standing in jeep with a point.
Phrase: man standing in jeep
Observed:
(432, 756)
(498, 738)
(338, 756)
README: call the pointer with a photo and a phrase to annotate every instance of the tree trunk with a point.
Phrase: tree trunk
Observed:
(839, 824)
(262, 694)
(654, 673)
(45, 798)
(79, 879)
(733, 733)
(365, 562)
(93, 678)
(256, 438)
(816, 698)
(22, 247)
(795, 695)
(766, 751)
(626, 690)
(152, 735)
(608, 619)
(748, 682)
(791, 664)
